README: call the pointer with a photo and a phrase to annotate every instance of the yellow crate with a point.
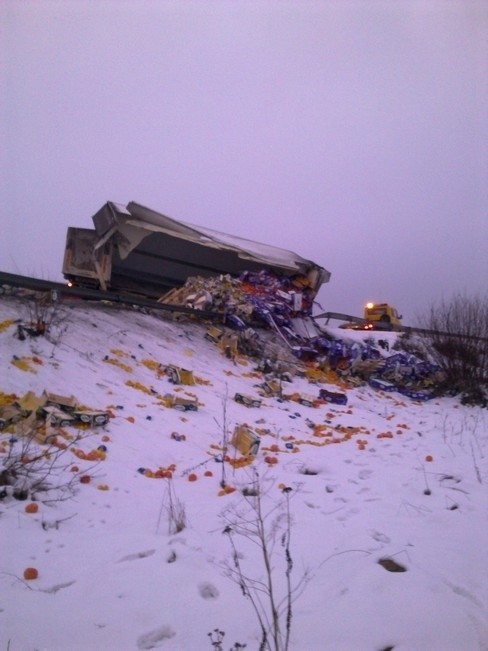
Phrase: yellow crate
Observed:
(245, 440)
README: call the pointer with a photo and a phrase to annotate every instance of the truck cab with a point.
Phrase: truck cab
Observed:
(382, 316)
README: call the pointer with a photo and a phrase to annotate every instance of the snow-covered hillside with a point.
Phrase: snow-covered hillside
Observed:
(382, 477)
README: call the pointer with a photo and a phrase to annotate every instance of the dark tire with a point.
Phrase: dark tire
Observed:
(385, 318)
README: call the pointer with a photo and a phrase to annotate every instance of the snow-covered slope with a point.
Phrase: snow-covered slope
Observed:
(113, 578)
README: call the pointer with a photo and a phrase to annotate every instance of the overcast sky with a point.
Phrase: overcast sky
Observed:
(354, 133)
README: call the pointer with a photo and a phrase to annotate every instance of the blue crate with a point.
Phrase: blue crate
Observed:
(382, 385)
(416, 394)
(331, 396)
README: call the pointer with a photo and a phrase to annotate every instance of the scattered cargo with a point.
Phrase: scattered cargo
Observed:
(307, 400)
(11, 414)
(64, 403)
(214, 334)
(272, 387)
(97, 418)
(55, 417)
(245, 440)
(413, 394)
(57, 411)
(382, 385)
(180, 402)
(178, 375)
(333, 397)
(248, 401)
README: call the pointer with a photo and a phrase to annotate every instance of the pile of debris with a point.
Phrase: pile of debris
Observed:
(38, 415)
(408, 375)
(255, 299)
(261, 297)
(283, 306)
(358, 363)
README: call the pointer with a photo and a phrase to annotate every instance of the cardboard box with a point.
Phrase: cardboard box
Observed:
(245, 440)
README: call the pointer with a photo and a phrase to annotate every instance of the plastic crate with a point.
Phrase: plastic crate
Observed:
(333, 397)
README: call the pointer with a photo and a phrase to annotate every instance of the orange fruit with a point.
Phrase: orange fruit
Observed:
(30, 573)
(32, 507)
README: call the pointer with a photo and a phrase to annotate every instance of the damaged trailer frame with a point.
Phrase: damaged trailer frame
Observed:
(134, 248)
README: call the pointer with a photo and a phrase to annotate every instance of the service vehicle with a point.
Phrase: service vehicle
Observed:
(381, 316)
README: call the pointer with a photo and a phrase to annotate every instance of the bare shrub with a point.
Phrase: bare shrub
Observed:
(175, 510)
(270, 593)
(224, 427)
(412, 344)
(458, 343)
(216, 638)
(30, 470)
(44, 317)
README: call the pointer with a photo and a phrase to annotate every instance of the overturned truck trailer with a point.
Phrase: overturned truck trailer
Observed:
(134, 248)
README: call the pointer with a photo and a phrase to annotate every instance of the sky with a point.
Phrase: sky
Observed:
(382, 477)
(353, 133)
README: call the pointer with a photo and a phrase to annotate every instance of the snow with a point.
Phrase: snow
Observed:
(112, 576)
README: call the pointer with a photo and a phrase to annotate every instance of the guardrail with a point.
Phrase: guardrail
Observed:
(398, 328)
(121, 298)
(63, 290)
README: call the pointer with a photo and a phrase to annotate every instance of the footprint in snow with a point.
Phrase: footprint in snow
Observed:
(208, 591)
(59, 586)
(135, 557)
(365, 474)
(379, 537)
(155, 638)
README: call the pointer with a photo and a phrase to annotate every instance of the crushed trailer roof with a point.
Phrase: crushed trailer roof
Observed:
(135, 221)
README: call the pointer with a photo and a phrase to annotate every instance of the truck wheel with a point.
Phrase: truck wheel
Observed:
(385, 318)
